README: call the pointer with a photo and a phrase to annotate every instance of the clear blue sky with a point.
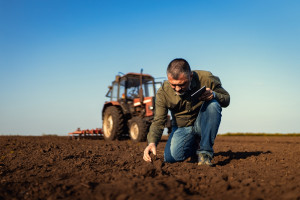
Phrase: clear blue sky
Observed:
(57, 58)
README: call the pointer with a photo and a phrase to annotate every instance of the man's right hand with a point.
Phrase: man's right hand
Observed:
(150, 148)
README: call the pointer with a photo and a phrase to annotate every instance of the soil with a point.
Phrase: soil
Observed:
(56, 167)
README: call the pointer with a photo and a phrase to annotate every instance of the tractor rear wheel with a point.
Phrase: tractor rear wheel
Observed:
(138, 129)
(113, 123)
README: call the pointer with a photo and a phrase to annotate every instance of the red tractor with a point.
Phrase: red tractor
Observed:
(130, 110)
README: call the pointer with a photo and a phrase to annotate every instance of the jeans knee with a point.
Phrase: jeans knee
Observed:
(173, 155)
(169, 158)
(211, 107)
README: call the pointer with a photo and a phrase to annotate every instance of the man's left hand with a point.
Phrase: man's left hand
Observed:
(207, 95)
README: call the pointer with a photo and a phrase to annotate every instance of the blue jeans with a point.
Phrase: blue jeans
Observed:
(183, 143)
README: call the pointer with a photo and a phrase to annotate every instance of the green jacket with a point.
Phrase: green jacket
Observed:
(184, 110)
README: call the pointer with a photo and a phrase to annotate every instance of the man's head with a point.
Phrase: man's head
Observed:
(179, 75)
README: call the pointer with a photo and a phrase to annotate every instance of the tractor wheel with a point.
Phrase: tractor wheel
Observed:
(138, 129)
(113, 123)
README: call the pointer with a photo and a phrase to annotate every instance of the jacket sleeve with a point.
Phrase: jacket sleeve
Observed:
(160, 118)
(221, 94)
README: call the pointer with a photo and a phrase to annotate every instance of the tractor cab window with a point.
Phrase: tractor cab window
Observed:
(114, 94)
(157, 86)
(133, 88)
(132, 92)
(122, 89)
(148, 88)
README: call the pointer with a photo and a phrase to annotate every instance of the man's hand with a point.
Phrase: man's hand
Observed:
(150, 148)
(207, 95)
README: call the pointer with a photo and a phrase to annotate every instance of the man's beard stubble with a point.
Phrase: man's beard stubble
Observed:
(182, 92)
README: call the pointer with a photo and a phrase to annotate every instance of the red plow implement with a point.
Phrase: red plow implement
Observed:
(86, 133)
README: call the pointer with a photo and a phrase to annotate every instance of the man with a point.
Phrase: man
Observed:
(192, 118)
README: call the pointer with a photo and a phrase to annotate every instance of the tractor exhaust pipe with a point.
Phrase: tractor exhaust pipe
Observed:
(141, 88)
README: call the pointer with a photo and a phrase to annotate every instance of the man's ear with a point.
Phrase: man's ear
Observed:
(191, 75)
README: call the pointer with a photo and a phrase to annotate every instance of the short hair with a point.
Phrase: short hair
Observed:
(177, 67)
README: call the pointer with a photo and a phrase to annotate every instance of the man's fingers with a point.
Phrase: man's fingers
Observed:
(150, 148)
(147, 157)
(153, 150)
(207, 95)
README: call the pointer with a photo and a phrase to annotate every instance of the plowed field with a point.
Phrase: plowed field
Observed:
(53, 167)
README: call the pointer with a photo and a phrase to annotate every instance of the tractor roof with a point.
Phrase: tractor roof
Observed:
(133, 79)
(137, 75)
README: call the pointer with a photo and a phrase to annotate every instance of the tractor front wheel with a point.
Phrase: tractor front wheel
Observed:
(138, 129)
(113, 123)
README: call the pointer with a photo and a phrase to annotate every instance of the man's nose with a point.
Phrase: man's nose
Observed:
(177, 88)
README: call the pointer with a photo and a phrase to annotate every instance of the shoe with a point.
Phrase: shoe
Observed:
(204, 159)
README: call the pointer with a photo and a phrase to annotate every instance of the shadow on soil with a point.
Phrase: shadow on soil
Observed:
(237, 156)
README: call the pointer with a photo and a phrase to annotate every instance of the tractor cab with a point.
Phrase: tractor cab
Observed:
(135, 93)
(128, 87)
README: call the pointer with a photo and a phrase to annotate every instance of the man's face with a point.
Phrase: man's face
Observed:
(182, 84)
